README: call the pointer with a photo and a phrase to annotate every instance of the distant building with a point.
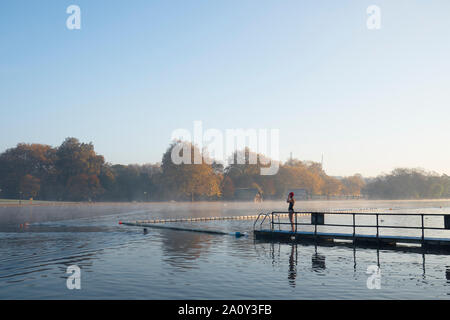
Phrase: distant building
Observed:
(247, 194)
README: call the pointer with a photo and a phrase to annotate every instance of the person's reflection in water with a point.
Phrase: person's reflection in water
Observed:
(292, 274)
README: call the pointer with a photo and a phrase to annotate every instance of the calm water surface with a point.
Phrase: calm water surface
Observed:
(119, 262)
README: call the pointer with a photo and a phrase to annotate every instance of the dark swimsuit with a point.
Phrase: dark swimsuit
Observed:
(291, 206)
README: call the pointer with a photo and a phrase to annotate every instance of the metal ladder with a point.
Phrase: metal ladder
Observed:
(265, 215)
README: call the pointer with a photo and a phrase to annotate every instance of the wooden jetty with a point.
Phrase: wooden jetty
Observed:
(275, 233)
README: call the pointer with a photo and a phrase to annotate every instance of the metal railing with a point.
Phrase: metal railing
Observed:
(318, 219)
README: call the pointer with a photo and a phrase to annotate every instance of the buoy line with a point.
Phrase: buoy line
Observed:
(202, 219)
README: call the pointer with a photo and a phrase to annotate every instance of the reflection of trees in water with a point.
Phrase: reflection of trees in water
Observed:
(181, 249)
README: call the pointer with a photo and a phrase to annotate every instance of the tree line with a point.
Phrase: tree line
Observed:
(75, 172)
(404, 183)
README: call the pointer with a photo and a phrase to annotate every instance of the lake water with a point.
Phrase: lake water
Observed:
(119, 262)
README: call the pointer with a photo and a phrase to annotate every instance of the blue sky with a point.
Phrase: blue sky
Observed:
(368, 100)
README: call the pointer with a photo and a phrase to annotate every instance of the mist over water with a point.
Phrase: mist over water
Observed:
(119, 262)
(57, 212)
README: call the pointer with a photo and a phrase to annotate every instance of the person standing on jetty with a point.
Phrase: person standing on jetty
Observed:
(291, 202)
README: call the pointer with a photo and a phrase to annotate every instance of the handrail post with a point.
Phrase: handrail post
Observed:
(272, 221)
(423, 229)
(315, 224)
(353, 225)
(377, 228)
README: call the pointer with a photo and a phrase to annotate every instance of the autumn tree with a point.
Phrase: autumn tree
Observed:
(30, 186)
(83, 187)
(188, 179)
(227, 188)
(296, 174)
(78, 169)
(404, 183)
(331, 187)
(353, 185)
(244, 170)
(35, 160)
